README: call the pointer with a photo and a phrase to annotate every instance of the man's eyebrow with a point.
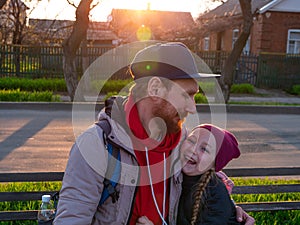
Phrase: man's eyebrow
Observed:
(192, 91)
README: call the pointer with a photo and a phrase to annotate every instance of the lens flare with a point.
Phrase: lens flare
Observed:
(143, 33)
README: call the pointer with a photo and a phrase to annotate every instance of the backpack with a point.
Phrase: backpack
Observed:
(113, 171)
(112, 174)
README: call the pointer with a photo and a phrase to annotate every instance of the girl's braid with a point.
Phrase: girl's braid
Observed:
(204, 180)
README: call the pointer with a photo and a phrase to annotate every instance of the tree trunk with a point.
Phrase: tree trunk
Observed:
(70, 47)
(226, 79)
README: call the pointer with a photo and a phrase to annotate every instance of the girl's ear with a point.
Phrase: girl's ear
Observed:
(156, 88)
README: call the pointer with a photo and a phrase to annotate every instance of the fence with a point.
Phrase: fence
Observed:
(265, 70)
(279, 71)
(40, 61)
(246, 69)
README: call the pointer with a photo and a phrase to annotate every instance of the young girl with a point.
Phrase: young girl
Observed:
(205, 198)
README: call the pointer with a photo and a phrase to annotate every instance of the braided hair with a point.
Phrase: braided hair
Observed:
(204, 180)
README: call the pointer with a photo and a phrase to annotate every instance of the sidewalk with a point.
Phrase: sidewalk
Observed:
(261, 96)
(266, 96)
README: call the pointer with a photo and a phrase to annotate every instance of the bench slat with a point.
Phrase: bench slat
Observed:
(18, 215)
(23, 196)
(263, 172)
(266, 189)
(31, 177)
(270, 206)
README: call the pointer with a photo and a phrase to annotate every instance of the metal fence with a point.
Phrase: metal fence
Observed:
(246, 69)
(40, 61)
(265, 70)
(279, 71)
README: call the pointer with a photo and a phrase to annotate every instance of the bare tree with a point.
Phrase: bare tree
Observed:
(219, 25)
(13, 20)
(72, 44)
(2, 3)
(13, 23)
(14, 14)
(226, 79)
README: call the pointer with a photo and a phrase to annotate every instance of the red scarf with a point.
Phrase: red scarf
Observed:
(144, 204)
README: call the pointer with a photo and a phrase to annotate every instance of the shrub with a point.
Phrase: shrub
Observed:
(23, 96)
(242, 89)
(295, 90)
(207, 87)
(200, 98)
(110, 85)
(25, 84)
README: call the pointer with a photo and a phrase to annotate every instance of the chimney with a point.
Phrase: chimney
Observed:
(148, 6)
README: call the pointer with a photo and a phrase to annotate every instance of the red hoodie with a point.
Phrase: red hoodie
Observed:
(144, 204)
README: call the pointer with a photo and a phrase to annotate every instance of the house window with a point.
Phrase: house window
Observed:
(293, 45)
(206, 44)
(246, 49)
(235, 36)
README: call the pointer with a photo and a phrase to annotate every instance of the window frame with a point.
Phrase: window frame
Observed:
(234, 38)
(296, 42)
(206, 43)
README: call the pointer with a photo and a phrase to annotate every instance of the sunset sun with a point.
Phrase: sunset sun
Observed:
(50, 10)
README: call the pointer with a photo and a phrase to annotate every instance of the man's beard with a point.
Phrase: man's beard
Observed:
(169, 115)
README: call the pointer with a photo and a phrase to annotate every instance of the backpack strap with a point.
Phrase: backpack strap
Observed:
(113, 171)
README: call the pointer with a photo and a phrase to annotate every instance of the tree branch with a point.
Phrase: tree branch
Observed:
(2, 3)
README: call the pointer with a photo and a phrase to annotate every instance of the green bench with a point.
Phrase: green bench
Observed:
(243, 172)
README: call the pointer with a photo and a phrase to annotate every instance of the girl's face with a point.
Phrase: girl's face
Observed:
(198, 152)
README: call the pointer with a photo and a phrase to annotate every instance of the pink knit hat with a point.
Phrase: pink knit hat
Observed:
(226, 143)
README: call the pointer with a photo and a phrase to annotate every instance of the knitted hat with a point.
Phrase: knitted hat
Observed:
(170, 60)
(226, 144)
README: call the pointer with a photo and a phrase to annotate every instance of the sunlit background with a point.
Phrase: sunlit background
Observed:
(60, 9)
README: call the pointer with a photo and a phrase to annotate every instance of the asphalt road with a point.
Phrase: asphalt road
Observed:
(40, 140)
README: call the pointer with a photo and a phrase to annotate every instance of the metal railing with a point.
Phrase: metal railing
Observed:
(266, 70)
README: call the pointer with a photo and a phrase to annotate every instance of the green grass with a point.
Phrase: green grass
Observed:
(262, 218)
(25, 205)
(291, 217)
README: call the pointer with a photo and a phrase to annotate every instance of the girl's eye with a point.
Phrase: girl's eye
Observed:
(204, 149)
(191, 140)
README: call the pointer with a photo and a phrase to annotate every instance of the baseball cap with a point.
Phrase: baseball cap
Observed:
(171, 60)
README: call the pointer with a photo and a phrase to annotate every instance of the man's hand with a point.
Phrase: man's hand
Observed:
(242, 216)
(143, 221)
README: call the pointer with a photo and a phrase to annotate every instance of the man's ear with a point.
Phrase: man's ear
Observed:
(156, 88)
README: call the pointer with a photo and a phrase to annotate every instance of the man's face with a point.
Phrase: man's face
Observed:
(177, 104)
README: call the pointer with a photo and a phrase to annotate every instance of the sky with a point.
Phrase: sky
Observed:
(60, 9)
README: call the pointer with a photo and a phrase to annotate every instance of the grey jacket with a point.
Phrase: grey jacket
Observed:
(83, 179)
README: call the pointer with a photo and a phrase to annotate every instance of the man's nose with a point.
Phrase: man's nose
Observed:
(191, 105)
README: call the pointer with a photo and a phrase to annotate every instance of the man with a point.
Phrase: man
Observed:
(147, 127)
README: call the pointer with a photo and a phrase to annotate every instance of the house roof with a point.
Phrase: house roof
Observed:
(281, 6)
(100, 31)
(232, 8)
(59, 29)
(126, 21)
(165, 19)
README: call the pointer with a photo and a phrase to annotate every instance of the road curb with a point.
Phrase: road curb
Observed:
(231, 108)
